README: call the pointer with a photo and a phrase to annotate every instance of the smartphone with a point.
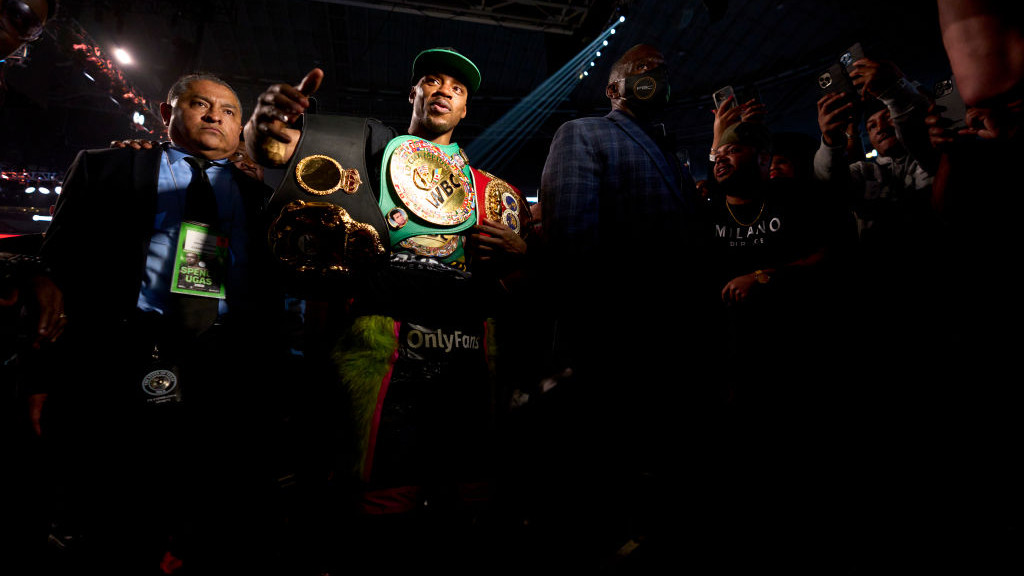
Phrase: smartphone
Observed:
(684, 156)
(852, 54)
(952, 104)
(749, 93)
(721, 95)
(835, 81)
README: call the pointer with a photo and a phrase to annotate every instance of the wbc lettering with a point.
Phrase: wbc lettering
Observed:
(443, 191)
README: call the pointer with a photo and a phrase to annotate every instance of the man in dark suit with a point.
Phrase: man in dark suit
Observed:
(158, 395)
(619, 214)
(614, 195)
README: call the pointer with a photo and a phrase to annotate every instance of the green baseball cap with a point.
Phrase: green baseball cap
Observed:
(747, 134)
(446, 61)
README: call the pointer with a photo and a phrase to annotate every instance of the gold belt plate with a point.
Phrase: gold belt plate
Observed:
(430, 184)
(322, 175)
(436, 245)
(502, 204)
(322, 238)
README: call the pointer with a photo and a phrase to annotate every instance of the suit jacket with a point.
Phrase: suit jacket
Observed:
(621, 226)
(97, 245)
(98, 240)
(210, 450)
(607, 182)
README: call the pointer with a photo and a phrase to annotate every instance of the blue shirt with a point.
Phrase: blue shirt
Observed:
(175, 175)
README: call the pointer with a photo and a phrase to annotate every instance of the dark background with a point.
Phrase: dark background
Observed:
(51, 110)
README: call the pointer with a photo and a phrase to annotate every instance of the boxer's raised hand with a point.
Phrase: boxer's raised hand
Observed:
(269, 134)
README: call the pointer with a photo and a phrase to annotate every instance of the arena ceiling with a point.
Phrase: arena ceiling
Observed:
(52, 109)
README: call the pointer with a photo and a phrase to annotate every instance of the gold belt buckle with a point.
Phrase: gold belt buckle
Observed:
(321, 237)
(322, 175)
(501, 203)
(430, 184)
(435, 245)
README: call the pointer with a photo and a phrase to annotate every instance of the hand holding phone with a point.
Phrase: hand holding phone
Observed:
(749, 98)
(748, 94)
(835, 116)
(839, 78)
(724, 98)
(835, 81)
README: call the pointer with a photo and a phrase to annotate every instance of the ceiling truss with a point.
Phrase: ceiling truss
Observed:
(556, 17)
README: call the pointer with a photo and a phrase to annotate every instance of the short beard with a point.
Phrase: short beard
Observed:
(435, 126)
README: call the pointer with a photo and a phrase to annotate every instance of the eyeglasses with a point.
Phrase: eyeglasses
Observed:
(26, 23)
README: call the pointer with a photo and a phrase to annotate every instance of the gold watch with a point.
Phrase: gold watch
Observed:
(761, 276)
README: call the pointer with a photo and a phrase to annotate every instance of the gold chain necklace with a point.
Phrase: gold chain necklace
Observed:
(737, 220)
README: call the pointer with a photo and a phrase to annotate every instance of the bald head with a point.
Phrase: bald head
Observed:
(639, 59)
(627, 64)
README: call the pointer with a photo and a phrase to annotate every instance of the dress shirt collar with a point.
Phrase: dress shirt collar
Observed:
(174, 154)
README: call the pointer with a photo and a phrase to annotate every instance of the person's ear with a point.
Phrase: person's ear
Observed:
(165, 112)
(612, 90)
(412, 95)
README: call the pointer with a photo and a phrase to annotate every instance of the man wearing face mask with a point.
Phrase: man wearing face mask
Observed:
(619, 211)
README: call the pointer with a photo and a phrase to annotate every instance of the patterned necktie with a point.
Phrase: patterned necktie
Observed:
(194, 314)
(200, 202)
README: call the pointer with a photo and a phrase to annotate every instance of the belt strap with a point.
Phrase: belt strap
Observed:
(325, 214)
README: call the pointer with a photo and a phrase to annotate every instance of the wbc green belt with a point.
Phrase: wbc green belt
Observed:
(427, 195)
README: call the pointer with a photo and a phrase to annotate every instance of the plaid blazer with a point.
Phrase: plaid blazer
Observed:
(620, 223)
(605, 183)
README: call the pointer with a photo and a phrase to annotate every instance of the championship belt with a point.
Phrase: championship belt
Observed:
(427, 198)
(325, 217)
(500, 201)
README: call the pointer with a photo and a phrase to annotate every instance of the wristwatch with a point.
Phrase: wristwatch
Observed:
(761, 276)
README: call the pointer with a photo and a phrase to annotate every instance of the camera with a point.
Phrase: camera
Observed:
(852, 54)
(825, 80)
(944, 87)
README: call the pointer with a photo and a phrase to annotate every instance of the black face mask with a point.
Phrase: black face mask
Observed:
(647, 93)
